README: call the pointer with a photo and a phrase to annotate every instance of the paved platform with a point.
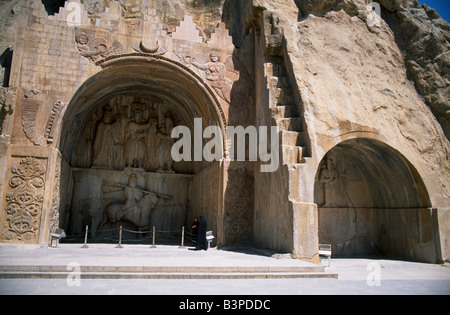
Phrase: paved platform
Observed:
(101, 261)
(356, 276)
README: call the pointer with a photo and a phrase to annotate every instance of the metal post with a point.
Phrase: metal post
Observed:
(153, 246)
(182, 239)
(120, 238)
(85, 237)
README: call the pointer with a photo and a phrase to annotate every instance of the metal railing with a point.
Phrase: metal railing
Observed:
(121, 236)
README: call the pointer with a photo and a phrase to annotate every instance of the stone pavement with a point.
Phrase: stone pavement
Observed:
(140, 255)
(102, 261)
(356, 276)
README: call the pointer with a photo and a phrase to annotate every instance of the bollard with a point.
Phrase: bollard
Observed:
(120, 238)
(153, 246)
(85, 237)
(182, 239)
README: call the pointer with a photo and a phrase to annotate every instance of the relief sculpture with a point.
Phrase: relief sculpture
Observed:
(135, 149)
(136, 209)
(327, 177)
(216, 74)
(31, 107)
(124, 173)
(164, 155)
(6, 114)
(24, 201)
(239, 206)
(230, 80)
(104, 142)
(97, 48)
(128, 134)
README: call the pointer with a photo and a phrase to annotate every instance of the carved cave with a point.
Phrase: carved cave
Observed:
(118, 152)
(372, 202)
(123, 170)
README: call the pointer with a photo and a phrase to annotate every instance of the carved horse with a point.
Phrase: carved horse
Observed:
(139, 214)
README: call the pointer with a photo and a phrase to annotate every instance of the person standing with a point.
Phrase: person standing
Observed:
(194, 226)
(202, 243)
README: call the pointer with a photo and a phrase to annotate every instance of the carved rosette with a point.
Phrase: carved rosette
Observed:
(24, 202)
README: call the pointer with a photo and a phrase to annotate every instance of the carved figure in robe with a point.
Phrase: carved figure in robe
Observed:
(135, 147)
(152, 145)
(122, 121)
(327, 177)
(165, 146)
(104, 142)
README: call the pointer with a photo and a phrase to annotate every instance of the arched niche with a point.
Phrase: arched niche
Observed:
(115, 142)
(373, 202)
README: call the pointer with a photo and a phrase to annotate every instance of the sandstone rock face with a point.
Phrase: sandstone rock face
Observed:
(331, 56)
(424, 37)
(421, 34)
(361, 108)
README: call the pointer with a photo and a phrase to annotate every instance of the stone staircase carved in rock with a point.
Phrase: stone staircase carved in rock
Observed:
(285, 109)
(285, 113)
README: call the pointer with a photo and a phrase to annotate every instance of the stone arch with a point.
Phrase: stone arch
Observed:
(144, 75)
(154, 87)
(372, 201)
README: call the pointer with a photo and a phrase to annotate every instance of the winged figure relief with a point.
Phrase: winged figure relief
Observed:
(97, 48)
(230, 79)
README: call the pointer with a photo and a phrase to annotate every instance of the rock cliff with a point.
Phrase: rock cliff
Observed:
(421, 34)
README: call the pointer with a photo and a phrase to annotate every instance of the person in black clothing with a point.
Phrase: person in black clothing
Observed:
(195, 225)
(201, 239)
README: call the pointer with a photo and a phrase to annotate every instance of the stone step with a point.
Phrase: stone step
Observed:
(164, 272)
(289, 138)
(164, 269)
(279, 82)
(292, 154)
(284, 111)
(283, 95)
(172, 275)
(289, 124)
